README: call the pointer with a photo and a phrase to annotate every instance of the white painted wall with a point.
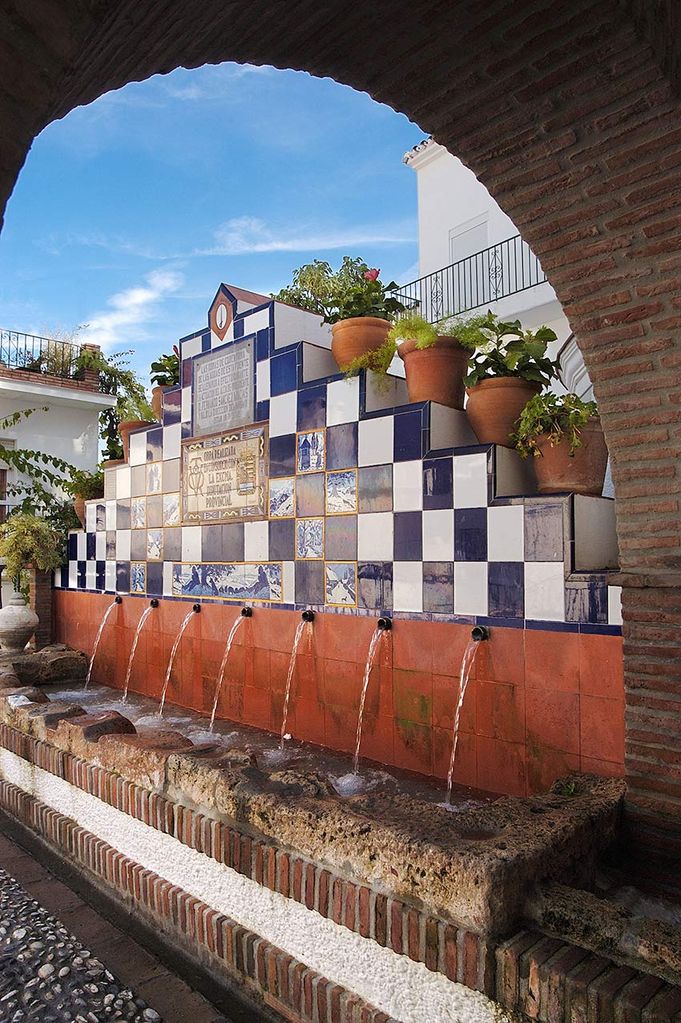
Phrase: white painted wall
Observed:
(458, 217)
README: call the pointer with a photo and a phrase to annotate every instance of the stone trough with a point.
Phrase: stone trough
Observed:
(373, 896)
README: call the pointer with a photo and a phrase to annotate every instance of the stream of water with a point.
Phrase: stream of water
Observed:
(133, 649)
(100, 630)
(464, 675)
(173, 653)
(223, 667)
(289, 678)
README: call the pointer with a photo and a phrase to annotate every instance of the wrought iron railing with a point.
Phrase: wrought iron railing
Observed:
(496, 272)
(42, 355)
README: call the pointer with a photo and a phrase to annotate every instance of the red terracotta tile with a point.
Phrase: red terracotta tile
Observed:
(342, 637)
(261, 668)
(340, 727)
(257, 707)
(544, 765)
(552, 660)
(413, 696)
(500, 710)
(502, 657)
(604, 768)
(601, 666)
(445, 698)
(552, 719)
(412, 643)
(275, 630)
(279, 663)
(308, 721)
(501, 766)
(378, 740)
(231, 702)
(413, 746)
(602, 728)
(342, 685)
(465, 764)
(449, 642)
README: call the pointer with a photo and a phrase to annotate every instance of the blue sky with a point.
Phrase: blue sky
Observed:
(129, 212)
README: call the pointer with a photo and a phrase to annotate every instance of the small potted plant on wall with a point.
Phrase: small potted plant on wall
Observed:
(165, 373)
(25, 540)
(435, 358)
(353, 299)
(507, 367)
(565, 436)
(85, 486)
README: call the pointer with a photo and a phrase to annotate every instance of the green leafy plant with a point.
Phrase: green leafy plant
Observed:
(165, 372)
(27, 540)
(501, 349)
(116, 378)
(354, 289)
(88, 485)
(413, 326)
(553, 416)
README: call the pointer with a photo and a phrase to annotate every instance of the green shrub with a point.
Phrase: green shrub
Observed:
(553, 416)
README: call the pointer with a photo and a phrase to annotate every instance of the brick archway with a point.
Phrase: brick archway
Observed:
(570, 114)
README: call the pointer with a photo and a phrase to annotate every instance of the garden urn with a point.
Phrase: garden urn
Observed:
(17, 624)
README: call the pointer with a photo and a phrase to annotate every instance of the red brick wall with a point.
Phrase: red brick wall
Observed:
(541, 704)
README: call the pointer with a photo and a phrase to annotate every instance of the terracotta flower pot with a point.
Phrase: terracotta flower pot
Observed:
(435, 373)
(79, 509)
(357, 336)
(125, 429)
(494, 406)
(157, 400)
(559, 472)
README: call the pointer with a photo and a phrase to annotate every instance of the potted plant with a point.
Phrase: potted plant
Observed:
(435, 360)
(165, 373)
(565, 436)
(352, 299)
(85, 486)
(25, 540)
(507, 367)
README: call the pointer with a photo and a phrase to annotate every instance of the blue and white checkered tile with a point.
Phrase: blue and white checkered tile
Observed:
(422, 534)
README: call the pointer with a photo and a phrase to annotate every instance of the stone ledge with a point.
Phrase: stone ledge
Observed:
(473, 868)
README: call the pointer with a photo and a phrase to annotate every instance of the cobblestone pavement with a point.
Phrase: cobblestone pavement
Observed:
(62, 961)
(48, 976)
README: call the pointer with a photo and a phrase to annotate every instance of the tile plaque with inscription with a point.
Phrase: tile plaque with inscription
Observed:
(224, 477)
(223, 391)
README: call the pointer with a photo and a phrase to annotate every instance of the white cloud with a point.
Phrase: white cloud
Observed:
(129, 310)
(246, 235)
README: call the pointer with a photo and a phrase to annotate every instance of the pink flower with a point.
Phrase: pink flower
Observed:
(371, 275)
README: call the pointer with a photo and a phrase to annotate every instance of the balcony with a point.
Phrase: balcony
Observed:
(504, 269)
(41, 355)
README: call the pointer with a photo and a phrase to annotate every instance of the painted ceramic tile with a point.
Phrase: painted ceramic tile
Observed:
(171, 509)
(282, 497)
(341, 492)
(341, 583)
(311, 451)
(232, 581)
(100, 517)
(310, 538)
(138, 577)
(138, 513)
(154, 544)
(154, 478)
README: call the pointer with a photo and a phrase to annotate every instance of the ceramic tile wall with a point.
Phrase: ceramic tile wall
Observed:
(363, 516)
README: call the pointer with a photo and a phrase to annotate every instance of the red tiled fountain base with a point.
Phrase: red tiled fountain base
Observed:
(541, 703)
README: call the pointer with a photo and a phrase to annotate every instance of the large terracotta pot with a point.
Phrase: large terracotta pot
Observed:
(435, 373)
(494, 406)
(559, 472)
(79, 509)
(17, 624)
(157, 400)
(357, 336)
(125, 429)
